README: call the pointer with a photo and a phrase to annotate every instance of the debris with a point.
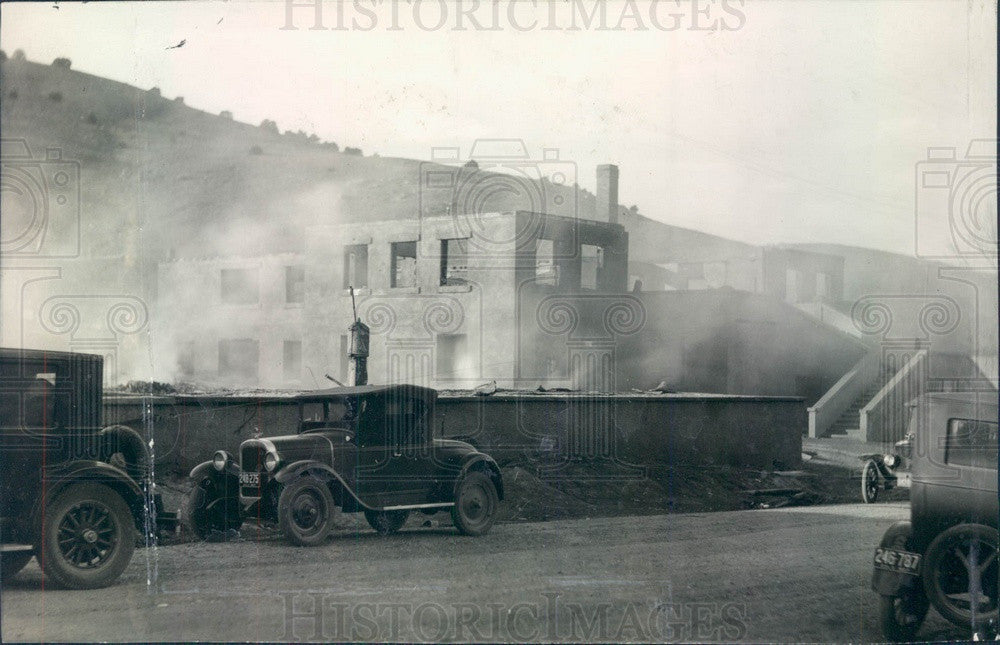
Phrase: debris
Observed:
(664, 388)
(486, 389)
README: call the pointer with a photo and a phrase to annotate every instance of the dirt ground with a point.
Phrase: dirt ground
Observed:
(775, 575)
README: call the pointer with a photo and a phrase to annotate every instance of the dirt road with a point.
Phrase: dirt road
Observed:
(769, 575)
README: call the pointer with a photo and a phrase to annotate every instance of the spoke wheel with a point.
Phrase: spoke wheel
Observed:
(476, 504)
(960, 574)
(305, 511)
(89, 536)
(869, 483)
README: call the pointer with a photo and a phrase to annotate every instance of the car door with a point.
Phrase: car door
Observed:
(411, 460)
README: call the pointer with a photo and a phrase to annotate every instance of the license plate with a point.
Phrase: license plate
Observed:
(250, 479)
(898, 561)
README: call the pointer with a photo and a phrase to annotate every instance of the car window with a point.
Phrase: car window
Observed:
(971, 443)
(405, 424)
(346, 409)
(313, 412)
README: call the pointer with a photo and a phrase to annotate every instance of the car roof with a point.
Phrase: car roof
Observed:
(403, 389)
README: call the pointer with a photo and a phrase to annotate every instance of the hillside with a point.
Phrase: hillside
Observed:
(198, 184)
(161, 179)
(203, 184)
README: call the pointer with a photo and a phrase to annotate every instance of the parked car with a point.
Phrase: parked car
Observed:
(946, 556)
(879, 470)
(367, 449)
(71, 492)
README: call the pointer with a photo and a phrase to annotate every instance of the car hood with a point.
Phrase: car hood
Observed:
(292, 448)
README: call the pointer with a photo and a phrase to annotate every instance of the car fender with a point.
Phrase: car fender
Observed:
(58, 478)
(891, 583)
(206, 469)
(484, 461)
(299, 468)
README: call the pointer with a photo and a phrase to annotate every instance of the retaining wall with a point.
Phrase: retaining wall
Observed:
(701, 429)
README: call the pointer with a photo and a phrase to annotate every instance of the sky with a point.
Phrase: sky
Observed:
(769, 122)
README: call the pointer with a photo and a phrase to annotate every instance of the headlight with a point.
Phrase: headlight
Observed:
(220, 460)
(890, 460)
(270, 461)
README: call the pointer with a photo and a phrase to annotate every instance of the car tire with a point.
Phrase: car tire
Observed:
(88, 537)
(476, 504)
(386, 522)
(901, 616)
(306, 511)
(11, 563)
(947, 574)
(869, 483)
(211, 506)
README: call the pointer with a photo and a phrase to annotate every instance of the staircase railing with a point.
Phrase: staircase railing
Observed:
(825, 412)
(886, 416)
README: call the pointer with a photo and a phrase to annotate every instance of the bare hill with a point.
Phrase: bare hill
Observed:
(159, 179)
(204, 184)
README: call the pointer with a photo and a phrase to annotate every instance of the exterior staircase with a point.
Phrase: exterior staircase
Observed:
(849, 423)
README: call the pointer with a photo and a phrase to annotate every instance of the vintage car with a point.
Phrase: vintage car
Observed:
(946, 555)
(71, 492)
(363, 449)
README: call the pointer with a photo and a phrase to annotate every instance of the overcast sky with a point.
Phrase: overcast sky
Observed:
(787, 122)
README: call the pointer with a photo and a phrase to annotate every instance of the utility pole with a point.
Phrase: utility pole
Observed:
(357, 364)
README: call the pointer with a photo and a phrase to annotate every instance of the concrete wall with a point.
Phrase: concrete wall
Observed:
(806, 268)
(624, 430)
(697, 260)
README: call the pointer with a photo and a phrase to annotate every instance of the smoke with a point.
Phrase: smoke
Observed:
(235, 315)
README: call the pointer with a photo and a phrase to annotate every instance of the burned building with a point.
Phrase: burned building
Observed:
(454, 300)
(519, 297)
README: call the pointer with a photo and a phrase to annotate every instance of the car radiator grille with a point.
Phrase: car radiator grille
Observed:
(252, 461)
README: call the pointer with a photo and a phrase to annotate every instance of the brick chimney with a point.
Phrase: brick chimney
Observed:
(607, 194)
